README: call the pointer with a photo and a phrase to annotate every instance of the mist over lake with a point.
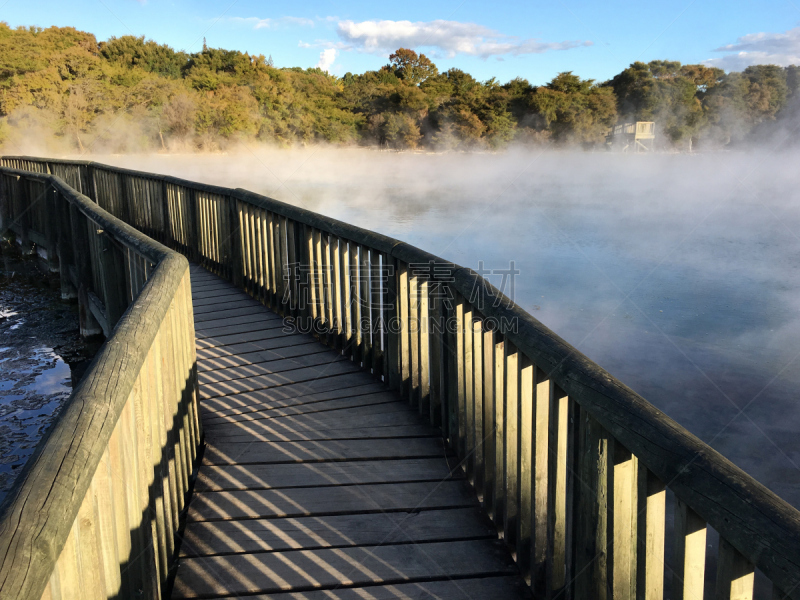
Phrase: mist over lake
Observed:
(678, 273)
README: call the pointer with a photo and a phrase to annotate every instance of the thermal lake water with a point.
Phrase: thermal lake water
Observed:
(680, 274)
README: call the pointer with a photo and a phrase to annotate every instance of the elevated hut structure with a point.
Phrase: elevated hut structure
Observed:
(632, 137)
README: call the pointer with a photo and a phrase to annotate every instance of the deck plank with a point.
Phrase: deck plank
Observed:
(327, 568)
(317, 481)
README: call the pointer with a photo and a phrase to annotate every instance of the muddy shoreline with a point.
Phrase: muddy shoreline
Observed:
(42, 356)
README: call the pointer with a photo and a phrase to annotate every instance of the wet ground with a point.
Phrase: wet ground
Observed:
(42, 356)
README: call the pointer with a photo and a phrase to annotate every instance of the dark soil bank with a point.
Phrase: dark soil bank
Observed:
(42, 356)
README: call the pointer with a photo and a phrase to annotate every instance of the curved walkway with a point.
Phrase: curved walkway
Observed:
(316, 481)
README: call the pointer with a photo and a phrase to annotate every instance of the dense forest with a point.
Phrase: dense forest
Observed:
(132, 94)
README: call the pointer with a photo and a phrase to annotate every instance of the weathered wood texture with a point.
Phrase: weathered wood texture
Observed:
(318, 478)
(95, 512)
(568, 461)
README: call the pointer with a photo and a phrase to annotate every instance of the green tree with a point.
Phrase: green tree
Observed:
(411, 67)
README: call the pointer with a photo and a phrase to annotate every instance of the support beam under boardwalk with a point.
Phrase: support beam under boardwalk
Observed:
(316, 481)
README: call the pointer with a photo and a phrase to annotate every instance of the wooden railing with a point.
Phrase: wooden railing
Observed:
(96, 509)
(576, 470)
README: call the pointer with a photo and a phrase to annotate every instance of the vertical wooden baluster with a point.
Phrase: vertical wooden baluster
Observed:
(511, 442)
(319, 283)
(735, 574)
(338, 292)
(540, 518)
(489, 442)
(281, 259)
(365, 290)
(690, 553)
(292, 266)
(623, 526)
(256, 252)
(591, 510)
(651, 524)
(355, 304)
(499, 434)
(425, 407)
(330, 296)
(393, 330)
(477, 401)
(557, 486)
(347, 299)
(525, 464)
(247, 271)
(458, 372)
(404, 334)
(313, 273)
(274, 262)
(261, 253)
(469, 392)
(375, 313)
(414, 335)
(437, 359)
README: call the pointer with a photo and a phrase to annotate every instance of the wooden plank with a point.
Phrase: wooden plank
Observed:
(317, 360)
(735, 574)
(311, 376)
(689, 568)
(496, 588)
(313, 476)
(216, 308)
(254, 335)
(623, 505)
(241, 432)
(260, 357)
(224, 493)
(328, 568)
(226, 311)
(364, 404)
(256, 402)
(304, 429)
(210, 538)
(271, 344)
(267, 320)
(557, 481)
(241, 453)
(652, 498)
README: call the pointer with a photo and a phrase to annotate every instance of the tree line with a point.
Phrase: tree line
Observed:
(132, 94)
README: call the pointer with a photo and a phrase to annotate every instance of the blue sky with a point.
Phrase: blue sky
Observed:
(533, 39)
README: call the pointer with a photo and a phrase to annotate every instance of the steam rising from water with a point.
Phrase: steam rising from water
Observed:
(677, 273)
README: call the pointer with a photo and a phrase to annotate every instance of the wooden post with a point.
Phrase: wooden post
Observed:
(623, 526)
(112, 265)
(557, 484)
(590, 532)
(511, 421)
(51, 228)
(89, 326)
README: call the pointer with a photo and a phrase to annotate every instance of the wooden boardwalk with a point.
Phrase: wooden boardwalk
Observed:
(316, 481)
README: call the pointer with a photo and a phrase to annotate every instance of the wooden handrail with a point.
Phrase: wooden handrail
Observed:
(573, 466)
(95, 510)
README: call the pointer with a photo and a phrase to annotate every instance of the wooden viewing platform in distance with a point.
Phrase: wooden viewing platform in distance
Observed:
(312, 410)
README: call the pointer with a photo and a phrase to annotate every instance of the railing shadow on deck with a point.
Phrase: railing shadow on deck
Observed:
(576, 470)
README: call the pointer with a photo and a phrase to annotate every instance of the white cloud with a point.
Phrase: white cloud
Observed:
(326, 58)
(257, 23)
(451, 37)
(781, 49)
